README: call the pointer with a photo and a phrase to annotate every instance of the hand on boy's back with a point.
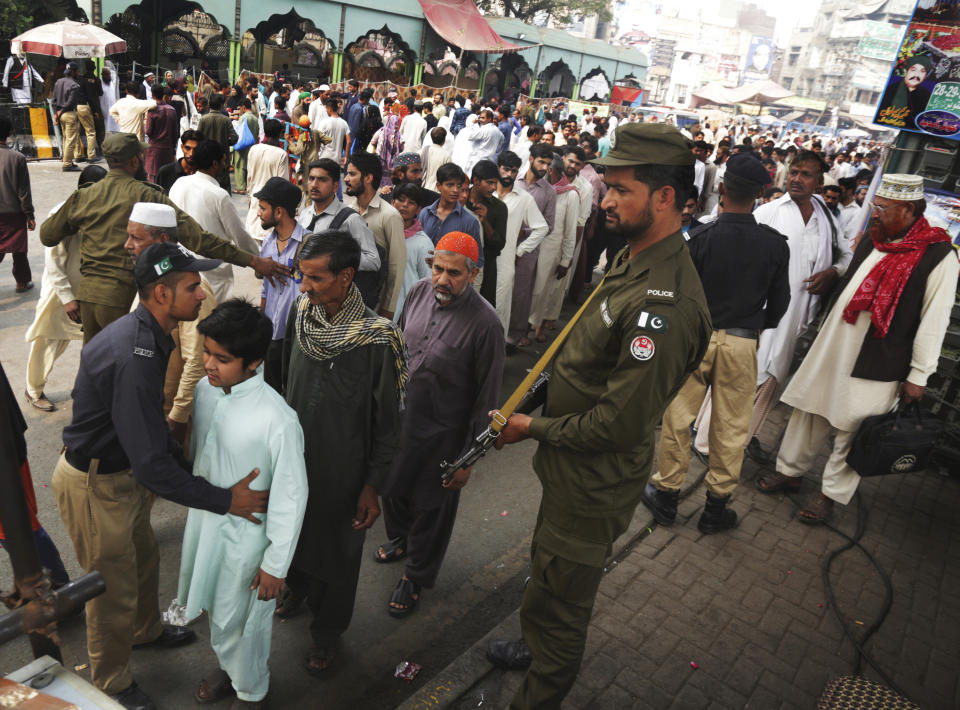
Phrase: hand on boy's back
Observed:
(270, 586)
(244, 502)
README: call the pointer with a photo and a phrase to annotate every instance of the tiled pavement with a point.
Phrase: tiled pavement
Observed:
(749, 607)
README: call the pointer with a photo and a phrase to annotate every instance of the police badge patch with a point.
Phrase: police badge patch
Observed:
(642, 348)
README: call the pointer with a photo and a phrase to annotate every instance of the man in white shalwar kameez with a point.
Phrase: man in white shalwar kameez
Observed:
(819, 255)
(556, 252)
(57, 318)
(230, 567)
(522, 212)
(864, 358)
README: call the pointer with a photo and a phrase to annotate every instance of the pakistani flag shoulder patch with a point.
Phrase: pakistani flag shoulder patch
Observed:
(652, 322)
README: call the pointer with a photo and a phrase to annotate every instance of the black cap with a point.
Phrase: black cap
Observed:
(71, 67)
(747, 166)
(281, 193)
(166, 257)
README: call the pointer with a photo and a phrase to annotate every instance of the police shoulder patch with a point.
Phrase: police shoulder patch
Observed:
(642, 348)
(142, 352)
(652, 321)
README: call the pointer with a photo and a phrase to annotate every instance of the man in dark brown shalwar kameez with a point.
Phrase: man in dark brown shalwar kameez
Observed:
(456, 365)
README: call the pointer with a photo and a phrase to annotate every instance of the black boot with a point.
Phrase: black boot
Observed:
(716, 517)
(663, 504)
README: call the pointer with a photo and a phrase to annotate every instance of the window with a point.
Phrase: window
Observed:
(680, 94)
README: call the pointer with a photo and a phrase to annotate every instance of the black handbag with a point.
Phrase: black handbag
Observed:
(897, 442)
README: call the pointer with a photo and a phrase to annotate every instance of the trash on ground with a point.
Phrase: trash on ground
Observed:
(694, 665)
(80, 667)
(407, 671)
(504, 514)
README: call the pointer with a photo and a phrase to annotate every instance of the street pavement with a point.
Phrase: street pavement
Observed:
(683, 620)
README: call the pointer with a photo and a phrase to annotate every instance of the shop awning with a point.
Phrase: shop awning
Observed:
(461, 24)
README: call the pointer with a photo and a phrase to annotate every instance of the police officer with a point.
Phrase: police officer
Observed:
(117, 451)
(100, 213)
(744, 270)
(643, 333)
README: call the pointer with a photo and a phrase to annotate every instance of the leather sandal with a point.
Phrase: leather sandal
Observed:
(391, 551)
(214, 690)
(317, 661)
(776, 482)
(288, 605)
(817, 510)
(407, 594)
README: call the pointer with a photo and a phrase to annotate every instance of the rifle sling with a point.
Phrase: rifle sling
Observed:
(498, 422)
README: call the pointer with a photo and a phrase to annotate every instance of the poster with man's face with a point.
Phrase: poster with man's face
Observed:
(923, 92)
(759, 59)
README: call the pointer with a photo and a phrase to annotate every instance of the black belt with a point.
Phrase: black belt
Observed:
(82, 463)
(742, 333)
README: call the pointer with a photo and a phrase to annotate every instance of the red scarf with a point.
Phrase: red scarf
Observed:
(564, 185)
(880, 292)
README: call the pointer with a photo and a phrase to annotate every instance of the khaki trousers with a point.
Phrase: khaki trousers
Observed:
(95, 317)
(85, 116)
(805, 435)
(70, 129)
(108, 518)
(43, 353)
(730, 367)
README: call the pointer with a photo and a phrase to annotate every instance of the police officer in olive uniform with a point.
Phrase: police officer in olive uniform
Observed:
(643, 333)
(117, 451)
(100, 213)
(744, 268)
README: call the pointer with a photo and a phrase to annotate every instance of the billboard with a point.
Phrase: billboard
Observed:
(922, 93)
(880, 40)
(759, 59)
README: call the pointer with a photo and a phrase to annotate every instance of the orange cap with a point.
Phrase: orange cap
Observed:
(461, 243)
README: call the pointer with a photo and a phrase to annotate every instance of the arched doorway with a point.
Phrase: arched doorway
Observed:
(595, 86)
(556, 80)
(508, 77)
(287, 43)
(379, 55)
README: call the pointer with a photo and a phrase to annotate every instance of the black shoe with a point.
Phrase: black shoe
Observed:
(72, 168)
(756, 452)
(93, 160)
(170, 636)
(663, 504)
(716, 517)
(134, 699)
(509, 655)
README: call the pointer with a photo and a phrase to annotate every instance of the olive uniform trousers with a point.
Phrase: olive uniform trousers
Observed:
(95, 317)
(108, 519)
(567, 559)
(70, 132)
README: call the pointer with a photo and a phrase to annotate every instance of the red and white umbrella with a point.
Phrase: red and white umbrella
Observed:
(72, 40)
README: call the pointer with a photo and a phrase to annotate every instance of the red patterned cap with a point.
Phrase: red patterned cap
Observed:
(461, 243)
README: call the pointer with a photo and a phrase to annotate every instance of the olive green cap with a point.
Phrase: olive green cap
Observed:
(647, 144)
(119, 147)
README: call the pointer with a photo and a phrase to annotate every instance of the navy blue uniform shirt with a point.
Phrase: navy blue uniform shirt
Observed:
(118, 411)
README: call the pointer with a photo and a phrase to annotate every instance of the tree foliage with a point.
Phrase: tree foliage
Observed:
(15, 18)
(562, 11)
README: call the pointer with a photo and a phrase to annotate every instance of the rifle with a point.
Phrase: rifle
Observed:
(534, 397)
(531, 393)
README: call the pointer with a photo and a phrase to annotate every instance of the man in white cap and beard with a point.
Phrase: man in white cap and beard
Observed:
(149, 224)
(879, 343)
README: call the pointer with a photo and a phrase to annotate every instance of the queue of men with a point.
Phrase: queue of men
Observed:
(378, 347)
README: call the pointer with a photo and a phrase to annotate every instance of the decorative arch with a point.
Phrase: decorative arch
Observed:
(556, 80)
(287, 39)
(179, 45)
(595, 82)
(380, 55)
(509, 76)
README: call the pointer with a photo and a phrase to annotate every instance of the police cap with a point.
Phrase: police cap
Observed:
(647, 144)
(120, 147)
(163, 258)
(746, 166)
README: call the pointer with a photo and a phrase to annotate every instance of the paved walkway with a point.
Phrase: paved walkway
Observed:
(742, 620)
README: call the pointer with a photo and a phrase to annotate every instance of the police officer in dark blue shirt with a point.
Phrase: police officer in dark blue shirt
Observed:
(118, 451)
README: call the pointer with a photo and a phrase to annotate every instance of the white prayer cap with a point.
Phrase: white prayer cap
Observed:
(899, 186)
(324, 87)
(154, 214)
(149, 73)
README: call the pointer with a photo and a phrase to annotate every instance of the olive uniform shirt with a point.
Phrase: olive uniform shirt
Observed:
(644, 332)
(101, 211)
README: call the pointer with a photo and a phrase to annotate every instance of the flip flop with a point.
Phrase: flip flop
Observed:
(407, 593)
(776, 482)
(214, 690)
(391, 551)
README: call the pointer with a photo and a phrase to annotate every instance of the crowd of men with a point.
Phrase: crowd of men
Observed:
(417, 245)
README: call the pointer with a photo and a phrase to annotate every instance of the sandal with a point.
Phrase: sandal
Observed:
(317, 661)
(391, 551)
(406, 596)
(817, 510)
(776, 482)
(288, 605)
(524, 342)
(214, 690)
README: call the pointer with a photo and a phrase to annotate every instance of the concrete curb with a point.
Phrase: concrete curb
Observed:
(468, 669)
